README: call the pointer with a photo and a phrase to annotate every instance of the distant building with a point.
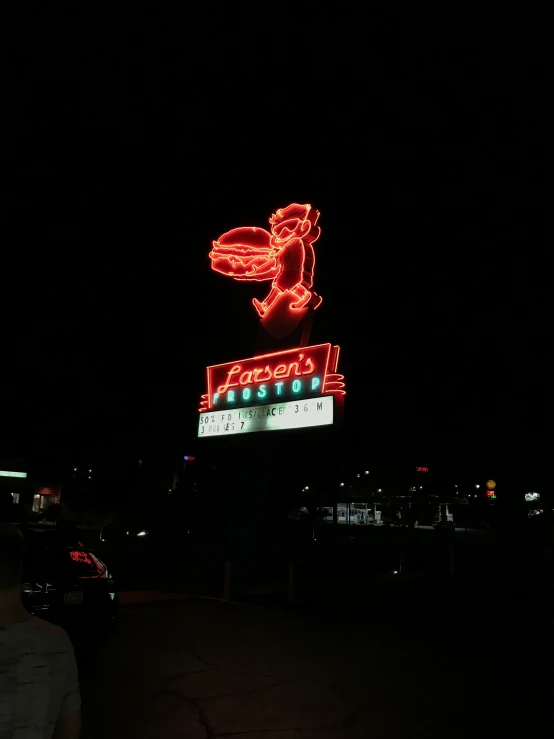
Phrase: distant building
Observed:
(20, 485)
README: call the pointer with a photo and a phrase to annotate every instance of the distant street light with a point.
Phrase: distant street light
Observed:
(342, 484)
(366, 472)
(379, 490)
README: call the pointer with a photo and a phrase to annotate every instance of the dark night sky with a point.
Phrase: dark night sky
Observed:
(136, 136)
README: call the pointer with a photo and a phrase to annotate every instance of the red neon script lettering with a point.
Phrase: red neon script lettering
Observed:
(262, 375)
(265, 374)
(233, 371)
(228, 380)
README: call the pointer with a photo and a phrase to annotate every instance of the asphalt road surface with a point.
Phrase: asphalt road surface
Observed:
(201, 668)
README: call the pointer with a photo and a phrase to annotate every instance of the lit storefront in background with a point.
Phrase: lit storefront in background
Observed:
(44, 498)
(355, 513)
(27, 489)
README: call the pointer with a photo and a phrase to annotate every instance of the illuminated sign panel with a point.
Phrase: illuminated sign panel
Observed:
(7, 473)
(269, 417)
(295, 373)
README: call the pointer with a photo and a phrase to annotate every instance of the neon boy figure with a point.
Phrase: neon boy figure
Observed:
(293, 233)
(285, 256)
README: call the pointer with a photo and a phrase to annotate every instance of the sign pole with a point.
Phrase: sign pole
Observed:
(291, 582)
(226, 581)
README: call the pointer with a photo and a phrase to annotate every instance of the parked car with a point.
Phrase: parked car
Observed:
(66, 583)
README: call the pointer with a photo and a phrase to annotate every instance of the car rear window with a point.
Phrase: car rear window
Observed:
(76, 563)
(48, 558)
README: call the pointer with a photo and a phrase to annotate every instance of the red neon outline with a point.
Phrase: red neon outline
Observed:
(271, 354)
(88, 559)
(78, 556)
(331, 381)
(285, 256)
(334, 359)
(334, 384)
(282, 355)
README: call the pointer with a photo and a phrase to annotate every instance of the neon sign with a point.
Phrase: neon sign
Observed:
(290, 388)
(78, 556)
(284, 255)
(294, 373)
(422, 469)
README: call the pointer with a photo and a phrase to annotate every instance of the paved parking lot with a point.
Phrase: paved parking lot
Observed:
(207, 669)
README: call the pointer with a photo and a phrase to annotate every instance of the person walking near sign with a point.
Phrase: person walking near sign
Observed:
(39, 687)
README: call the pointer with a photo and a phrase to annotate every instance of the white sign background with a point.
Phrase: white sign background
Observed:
(293, 414)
